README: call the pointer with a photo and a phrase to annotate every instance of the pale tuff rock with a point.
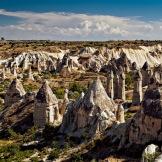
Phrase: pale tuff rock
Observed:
(120, 114)
(158, 73)
(30, 74)
(19, 115)
(90, 114)
(137, 91)
(148, 151)
(145, 126)
(121, 93)
(40, 60)
(65, 72)
(91, 59)
(159, 158)
(124, 62)
(146, 74)
(65, 102)
(66, 67)
(110, 84)
(134, 66)
(46, 107)
(14, 71)
(3, 75)
(116, 85)
(151, 54)
(152, 103)
(14, 93)
(71, 63)
(115, 63)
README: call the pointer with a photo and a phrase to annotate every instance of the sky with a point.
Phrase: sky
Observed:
(81, 19)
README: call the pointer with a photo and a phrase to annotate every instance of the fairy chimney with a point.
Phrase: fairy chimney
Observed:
(116, 85)
(30, 74)
(46, 109)
(14, 93)
(146, 74)
(137, 91)
(65, 102)
(120, 114)
(110, 84)
(92, 113)
(121, 90)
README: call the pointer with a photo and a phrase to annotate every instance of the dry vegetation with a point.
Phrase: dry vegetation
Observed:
(13, 48)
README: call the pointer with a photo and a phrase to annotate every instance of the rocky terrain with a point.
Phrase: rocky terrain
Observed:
(80, 101)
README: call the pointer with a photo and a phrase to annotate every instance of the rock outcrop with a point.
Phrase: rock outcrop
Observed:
(92, 113)
(110, 84)
(145, 126)
(158, 73)
(146, 74)
(121, 90)
(14, 93)
(148, 151)
(137, 91)
(18, 108)
(120, 114)
(30, 74)
(46, 109)
(64, 103)
(159, 158)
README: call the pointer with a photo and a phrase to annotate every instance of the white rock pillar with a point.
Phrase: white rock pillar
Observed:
(121, 93)
(137, 91)
(120, 114)
(110, 84)
(116, 86)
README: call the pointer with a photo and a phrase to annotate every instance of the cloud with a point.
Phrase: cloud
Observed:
(70, 26)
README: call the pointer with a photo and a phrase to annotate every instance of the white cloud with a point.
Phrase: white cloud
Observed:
(70, 26)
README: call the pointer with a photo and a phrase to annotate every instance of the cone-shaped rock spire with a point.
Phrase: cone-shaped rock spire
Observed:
(46, 107)
(14, 93)
(91, 113)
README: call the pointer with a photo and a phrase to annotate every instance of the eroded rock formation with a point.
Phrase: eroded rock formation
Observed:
(14, 93)
(90, 114)
(137, 91)
(145, 126)
(46, 109)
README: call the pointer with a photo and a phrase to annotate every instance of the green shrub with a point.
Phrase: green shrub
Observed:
(128, 81)
(30, 87)
(4, 85)
(151, 157)
(13, 152)
(13, 135)
(30, 135)
(59, 92)
(77, 158)
(54, 154)
(46, 75)
(76, 87)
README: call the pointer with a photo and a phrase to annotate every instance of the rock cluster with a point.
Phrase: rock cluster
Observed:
(145, 126)
(90, 114)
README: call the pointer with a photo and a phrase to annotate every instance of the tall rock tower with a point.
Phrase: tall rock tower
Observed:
(137, 91)
(46, 109)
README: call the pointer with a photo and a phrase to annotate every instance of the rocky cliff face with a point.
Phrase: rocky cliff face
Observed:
(90, 58)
